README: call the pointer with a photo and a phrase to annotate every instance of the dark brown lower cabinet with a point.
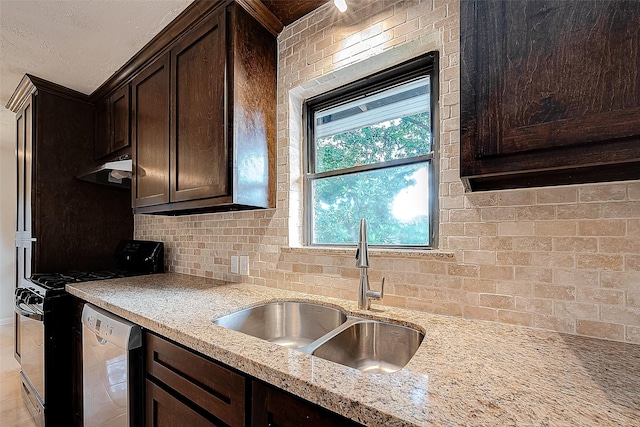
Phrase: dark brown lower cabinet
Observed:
(211, 391)
(166, 410)
(275, 408)
(184, 388)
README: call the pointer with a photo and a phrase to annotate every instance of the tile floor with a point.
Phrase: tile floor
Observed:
(13, 413)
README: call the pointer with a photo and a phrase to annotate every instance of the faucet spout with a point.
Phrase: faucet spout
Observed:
(365, 295)
(362, 251)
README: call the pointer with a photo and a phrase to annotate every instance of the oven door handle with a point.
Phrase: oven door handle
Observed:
(27, 313)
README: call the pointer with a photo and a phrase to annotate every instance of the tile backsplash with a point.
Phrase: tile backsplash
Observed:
(560, 258)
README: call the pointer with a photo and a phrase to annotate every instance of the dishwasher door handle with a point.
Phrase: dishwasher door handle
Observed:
(101, 340)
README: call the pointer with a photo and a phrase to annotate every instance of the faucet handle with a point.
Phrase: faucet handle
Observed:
(376, 295)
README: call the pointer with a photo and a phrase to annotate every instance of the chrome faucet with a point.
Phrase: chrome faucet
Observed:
(365, 295)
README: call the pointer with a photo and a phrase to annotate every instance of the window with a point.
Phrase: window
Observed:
(370, 154)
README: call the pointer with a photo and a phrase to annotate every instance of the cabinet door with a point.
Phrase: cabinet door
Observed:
(24, 237)
(120, 119)
(547, 87)
(272, 407)
(102, 143)
(164, 410)
(112, 123)
(25, 201)
(150, 134)
(200, 155)
(203, 383)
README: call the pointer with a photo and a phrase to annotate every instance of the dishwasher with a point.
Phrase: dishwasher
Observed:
(112, 363)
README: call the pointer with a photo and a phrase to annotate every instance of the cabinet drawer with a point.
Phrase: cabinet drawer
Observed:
(208, 385)
(165, 410)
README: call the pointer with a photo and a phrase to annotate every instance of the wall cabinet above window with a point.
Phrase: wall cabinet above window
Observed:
(550, 92)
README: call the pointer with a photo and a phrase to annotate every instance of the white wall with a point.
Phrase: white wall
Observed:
(7, 213)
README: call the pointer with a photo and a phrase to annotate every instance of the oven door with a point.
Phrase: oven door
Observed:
(31, 331)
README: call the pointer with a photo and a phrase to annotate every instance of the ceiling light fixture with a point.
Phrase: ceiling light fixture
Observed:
(341, 5)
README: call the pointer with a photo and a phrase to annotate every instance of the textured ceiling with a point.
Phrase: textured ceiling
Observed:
(76, 43)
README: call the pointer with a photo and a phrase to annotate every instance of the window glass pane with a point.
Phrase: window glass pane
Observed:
(394, 201)
(393, 124)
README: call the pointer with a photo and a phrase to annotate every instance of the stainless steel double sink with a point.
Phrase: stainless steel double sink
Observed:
(329, 333)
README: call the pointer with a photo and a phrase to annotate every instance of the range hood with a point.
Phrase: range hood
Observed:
(115, 173)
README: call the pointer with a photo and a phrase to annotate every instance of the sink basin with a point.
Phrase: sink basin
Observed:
(288, 323)
(328, 333)
(372, 346)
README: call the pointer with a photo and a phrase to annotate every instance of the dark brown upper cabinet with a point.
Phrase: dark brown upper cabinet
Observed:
(102, 142)
(199, 147)
(550, 92)
(150, 134)
(60, 218)
(112, 123)
(204, 119)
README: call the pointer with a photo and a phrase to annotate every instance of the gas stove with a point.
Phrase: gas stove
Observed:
(132, 258)
(59, 280)
(44, 312)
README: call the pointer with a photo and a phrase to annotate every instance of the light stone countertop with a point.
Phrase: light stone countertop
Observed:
(465, 373)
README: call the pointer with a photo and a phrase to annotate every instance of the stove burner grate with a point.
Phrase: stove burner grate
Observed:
(59, 280)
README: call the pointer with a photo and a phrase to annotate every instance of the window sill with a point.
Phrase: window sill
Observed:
(373, 252)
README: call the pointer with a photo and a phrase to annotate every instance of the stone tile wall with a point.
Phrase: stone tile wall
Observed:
(560, 258)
